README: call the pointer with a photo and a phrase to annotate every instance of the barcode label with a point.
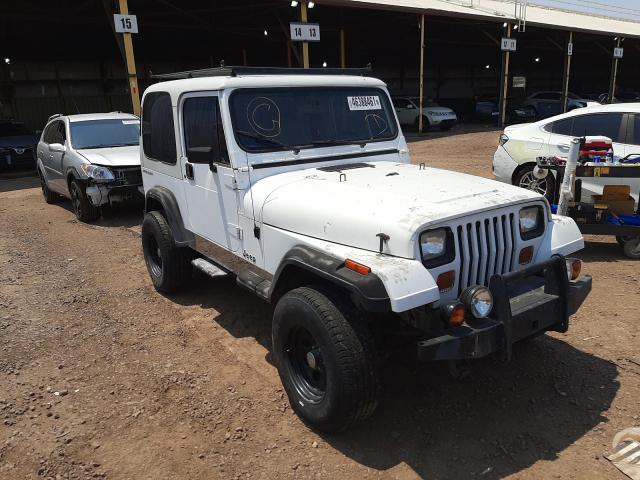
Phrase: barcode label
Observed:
(365, 102)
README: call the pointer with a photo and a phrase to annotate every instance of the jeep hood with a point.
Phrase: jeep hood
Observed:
(113, 156)
(397, 199)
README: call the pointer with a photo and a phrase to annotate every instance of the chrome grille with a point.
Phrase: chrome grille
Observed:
(486, 247)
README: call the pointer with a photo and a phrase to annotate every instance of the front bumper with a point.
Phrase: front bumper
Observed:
(526, 303)
(503, 165)
(103, 194)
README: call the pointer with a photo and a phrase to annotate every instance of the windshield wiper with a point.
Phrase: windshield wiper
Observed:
(106, 145)
(268, 140)
(331, 143)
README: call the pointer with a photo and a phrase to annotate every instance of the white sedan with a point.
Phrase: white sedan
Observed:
(515, 157)
(408, 111)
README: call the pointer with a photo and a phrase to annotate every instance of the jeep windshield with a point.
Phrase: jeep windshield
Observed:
(121, 132)
(278, 119)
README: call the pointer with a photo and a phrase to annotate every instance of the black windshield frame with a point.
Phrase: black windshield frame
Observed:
(355, 90)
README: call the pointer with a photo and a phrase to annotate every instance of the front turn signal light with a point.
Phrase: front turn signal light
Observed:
(446, 280)
(526, 255)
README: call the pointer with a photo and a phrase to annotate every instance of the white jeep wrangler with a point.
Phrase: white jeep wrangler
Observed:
(299, 184)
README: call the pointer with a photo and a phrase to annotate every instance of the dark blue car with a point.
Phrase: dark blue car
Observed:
(17, 146)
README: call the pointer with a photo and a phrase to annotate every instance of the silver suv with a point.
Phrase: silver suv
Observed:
(92, 159)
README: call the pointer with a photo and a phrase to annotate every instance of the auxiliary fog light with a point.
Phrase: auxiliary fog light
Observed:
(574, 267)
(478, 300)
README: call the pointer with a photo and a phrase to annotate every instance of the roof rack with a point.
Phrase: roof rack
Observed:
(230, 71)
(55, 115)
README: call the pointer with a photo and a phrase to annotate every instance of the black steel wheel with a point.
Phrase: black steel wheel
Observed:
(326, 359)
(169, 266)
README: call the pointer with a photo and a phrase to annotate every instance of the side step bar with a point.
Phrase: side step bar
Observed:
(208, 268)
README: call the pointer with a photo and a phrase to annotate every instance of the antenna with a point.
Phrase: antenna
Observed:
(520, 14)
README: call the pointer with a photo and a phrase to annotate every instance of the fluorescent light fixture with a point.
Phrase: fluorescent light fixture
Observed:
(324, 64)
(537, 59)
(487, 66)
(265, 32)
(311, 4)
(7, 60)
(504, 25)
(294, 3)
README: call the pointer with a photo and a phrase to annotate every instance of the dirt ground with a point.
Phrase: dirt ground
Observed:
(102, 377)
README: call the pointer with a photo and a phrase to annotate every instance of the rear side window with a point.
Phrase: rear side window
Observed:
(636, 130)
(203, 132)
(562, 127)
(607, 124)
(158, 137)
(55, 133)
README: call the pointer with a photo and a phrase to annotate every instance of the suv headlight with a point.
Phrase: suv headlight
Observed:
(531, 222)
(437, 247)
(97, 173)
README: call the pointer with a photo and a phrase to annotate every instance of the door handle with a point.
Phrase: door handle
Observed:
(188, 171)
(563, 146)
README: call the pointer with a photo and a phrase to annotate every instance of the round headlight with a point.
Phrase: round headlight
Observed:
(478, 301)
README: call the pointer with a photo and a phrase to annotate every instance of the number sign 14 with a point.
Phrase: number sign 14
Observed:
(305, 32)
(125, 23)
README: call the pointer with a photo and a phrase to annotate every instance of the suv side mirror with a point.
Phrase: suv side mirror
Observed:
(57, 147)
(410, 106)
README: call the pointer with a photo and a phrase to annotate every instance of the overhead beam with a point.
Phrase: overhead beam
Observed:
(490, 37)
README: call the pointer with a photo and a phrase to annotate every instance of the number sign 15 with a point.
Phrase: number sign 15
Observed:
(125, 23)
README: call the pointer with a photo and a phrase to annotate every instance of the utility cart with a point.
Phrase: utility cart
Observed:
(612, 213)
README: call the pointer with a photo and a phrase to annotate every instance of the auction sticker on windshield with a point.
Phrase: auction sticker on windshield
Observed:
(364, 102)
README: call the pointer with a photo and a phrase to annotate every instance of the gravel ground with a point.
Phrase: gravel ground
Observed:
(102, 377)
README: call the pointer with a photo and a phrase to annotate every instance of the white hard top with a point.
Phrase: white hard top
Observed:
(177, 87)
(101, 116)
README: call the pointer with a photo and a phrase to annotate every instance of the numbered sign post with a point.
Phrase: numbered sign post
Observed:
(125, 23)
(509, 44)
(305, 32)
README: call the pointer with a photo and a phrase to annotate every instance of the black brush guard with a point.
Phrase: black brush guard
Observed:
(526, 303)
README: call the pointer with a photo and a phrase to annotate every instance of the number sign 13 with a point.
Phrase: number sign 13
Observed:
(305, 32)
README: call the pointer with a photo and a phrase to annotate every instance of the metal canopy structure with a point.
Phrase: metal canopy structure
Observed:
(504, 11)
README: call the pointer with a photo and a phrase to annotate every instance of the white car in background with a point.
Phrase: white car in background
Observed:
(520, 145)
(408, 111)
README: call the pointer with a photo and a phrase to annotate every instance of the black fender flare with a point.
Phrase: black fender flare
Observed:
(366, 291)
(167, 200)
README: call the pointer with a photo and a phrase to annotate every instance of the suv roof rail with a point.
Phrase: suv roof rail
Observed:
(229, 71)
(55, 115)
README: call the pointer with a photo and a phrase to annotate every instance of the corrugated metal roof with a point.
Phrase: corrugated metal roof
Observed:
(500, 10)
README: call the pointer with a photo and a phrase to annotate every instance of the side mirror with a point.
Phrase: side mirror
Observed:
(411, 106)
(57, 147)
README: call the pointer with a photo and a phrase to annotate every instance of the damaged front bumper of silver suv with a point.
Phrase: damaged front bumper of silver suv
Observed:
(126, 188)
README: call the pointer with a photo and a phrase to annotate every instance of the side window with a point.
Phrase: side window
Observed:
(636, 129)
(158, 136)
(203, 132)
(55, 133)
(562, 127)
(62, 132)
(607, 124)
(48, 133)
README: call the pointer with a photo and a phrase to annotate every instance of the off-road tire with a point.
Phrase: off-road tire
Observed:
(348, 359)
(82, 206)
(169, 266)
(49, 196)
(632, 248)
(525, 175)
(622, 239)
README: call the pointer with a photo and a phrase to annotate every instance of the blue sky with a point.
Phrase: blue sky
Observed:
(614, 8)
